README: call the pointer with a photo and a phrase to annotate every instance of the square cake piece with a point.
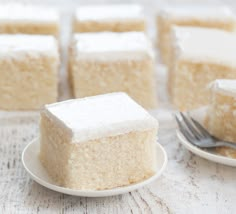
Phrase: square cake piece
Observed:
(26, 19)
(116, 18)
(98, 142)
(110, 62)
(28, 71)
(209, 16)
(199, 56)
(221, 114)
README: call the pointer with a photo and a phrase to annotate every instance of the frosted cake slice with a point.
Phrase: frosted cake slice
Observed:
(209, 16)
(28, 71)
(98, 142)
(109, 62)
(117, 18)
(221, 115)
(27, 19)
(199, 56)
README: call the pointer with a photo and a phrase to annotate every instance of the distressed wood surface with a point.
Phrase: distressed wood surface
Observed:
(189, 184)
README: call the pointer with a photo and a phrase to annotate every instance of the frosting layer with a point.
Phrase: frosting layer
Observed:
(100, 116)
(225, 86)
(18, 45)
(205, 45)
(112, 46)
(27, 13)
(198, 12)
(109, 13)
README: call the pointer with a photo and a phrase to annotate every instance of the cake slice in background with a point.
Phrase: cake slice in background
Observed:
(117, 18)
(221, 115)
(98, 142)
(109, 62)
(27, 19)
(209, 16)
(28, 71)
(199, 56)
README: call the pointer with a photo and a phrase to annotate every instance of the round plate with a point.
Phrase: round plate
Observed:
(199, 115)
(37, 172)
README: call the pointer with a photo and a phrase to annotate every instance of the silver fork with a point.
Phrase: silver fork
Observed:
(194, 132)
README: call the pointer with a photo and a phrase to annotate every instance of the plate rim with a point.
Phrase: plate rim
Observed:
(204, 154)
(93, 193)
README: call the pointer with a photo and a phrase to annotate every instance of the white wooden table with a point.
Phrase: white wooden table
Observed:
(189, 184)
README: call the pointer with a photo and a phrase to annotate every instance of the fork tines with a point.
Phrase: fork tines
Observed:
(190, 128)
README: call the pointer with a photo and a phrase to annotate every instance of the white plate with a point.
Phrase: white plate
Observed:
(37, 172)
(199, 115)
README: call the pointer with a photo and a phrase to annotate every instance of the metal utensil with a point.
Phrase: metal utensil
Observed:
(196, 134)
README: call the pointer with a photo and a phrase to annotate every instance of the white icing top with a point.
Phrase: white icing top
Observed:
(198, 12)
(112, 46)
(100, 116)
(109, 13)
(224, 86)
(18, 45)
(26, 13)
(205, 45)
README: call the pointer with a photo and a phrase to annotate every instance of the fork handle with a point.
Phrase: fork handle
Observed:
(227, 144)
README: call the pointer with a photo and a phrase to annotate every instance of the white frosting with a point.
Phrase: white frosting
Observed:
(27, 13)
(112, 46)
(18, 45)
(198, 12)
(109, 13)
(225, 86)
(205, 45)
(100, 116)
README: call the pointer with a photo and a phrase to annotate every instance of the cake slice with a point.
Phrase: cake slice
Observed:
(210, 16)
(117, 18)
(27, 19)
(199, 56)
(107, 62)
(98, 142)
(28, 71)
(221, 114)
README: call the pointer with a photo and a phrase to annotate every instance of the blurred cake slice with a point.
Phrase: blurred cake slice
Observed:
(98, 142)
(28, 71)
(117, 18)
(107, 62)
(198, 57)
(209, 16)
(27, 19)
(221, 115)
